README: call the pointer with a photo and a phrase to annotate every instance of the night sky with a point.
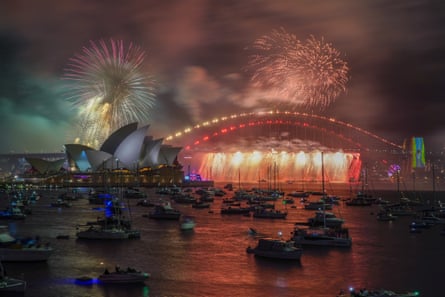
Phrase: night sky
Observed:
(196, 50)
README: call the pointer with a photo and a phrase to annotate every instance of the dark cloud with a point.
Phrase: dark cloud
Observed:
(197, 51)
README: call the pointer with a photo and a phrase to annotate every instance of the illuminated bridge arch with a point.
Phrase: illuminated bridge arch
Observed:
(283, 125)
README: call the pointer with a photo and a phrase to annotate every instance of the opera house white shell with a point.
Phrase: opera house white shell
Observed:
(128, 147)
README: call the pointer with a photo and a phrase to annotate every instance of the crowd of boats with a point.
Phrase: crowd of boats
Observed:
(324, 228)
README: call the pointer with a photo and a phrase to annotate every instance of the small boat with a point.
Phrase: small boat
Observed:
(276, 249)
(145, 203)
(119, 276)
(188, 223)
(235, 210)
(60, 203)
(321, 236)
(10, 285)
(107, 232)
(22, 250)
(386, 216)
(164, 212)
(317, 205)
(324, 218)
(12, 213)
(269, 214)
(358, 201)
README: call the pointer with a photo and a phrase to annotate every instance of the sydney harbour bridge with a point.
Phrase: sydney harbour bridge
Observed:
(286, 146)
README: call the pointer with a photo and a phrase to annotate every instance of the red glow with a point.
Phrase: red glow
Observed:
(205, 138)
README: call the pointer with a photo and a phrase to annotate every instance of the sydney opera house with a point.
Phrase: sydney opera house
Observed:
(128, 155)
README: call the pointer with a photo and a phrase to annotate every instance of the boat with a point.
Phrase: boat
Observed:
(145, 203)
(22, 250)
(269, 214)
(321, 236)
(113, 225)
(385, 216)
(317, 205)
(119, 276)
(276, 249)
(236, 210)
(327, 219)
(188, 223)
(106, 232)
(60, 203)
(358, 201)
(375, 293)
(9, 284)
(12, 213)
(164, 211)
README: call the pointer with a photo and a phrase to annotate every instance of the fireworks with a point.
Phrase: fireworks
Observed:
(109, 89)
(310, 73)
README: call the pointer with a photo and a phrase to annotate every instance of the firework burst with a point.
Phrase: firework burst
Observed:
(309, 73)
(108, 89)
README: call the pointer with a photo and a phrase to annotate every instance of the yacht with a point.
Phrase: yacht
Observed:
(119, 276)
(321, 236)
(107, 232)
(16, 250)
(276, 249)
(164, 212)
(324, 218)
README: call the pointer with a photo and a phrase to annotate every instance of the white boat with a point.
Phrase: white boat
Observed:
(10, 284)
(276, 249)
(15, 250)
(188, 223)
(128, 276)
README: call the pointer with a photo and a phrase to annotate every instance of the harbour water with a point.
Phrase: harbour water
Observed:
(212, 260)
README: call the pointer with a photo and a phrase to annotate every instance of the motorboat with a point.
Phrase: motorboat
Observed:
(22, 250)
(317, 205)
(324, 218)
(188, 223)
(107, 232)
(276, 249)
(60, 203)
(358, 201)
(269, 214)
(236, 210)
(12, 213)
(321, 236)
(9, 284)
(385, 216)
(119, 276)
(164, 212)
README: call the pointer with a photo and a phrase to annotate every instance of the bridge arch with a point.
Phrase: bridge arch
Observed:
(326, 131)
(292, 141)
